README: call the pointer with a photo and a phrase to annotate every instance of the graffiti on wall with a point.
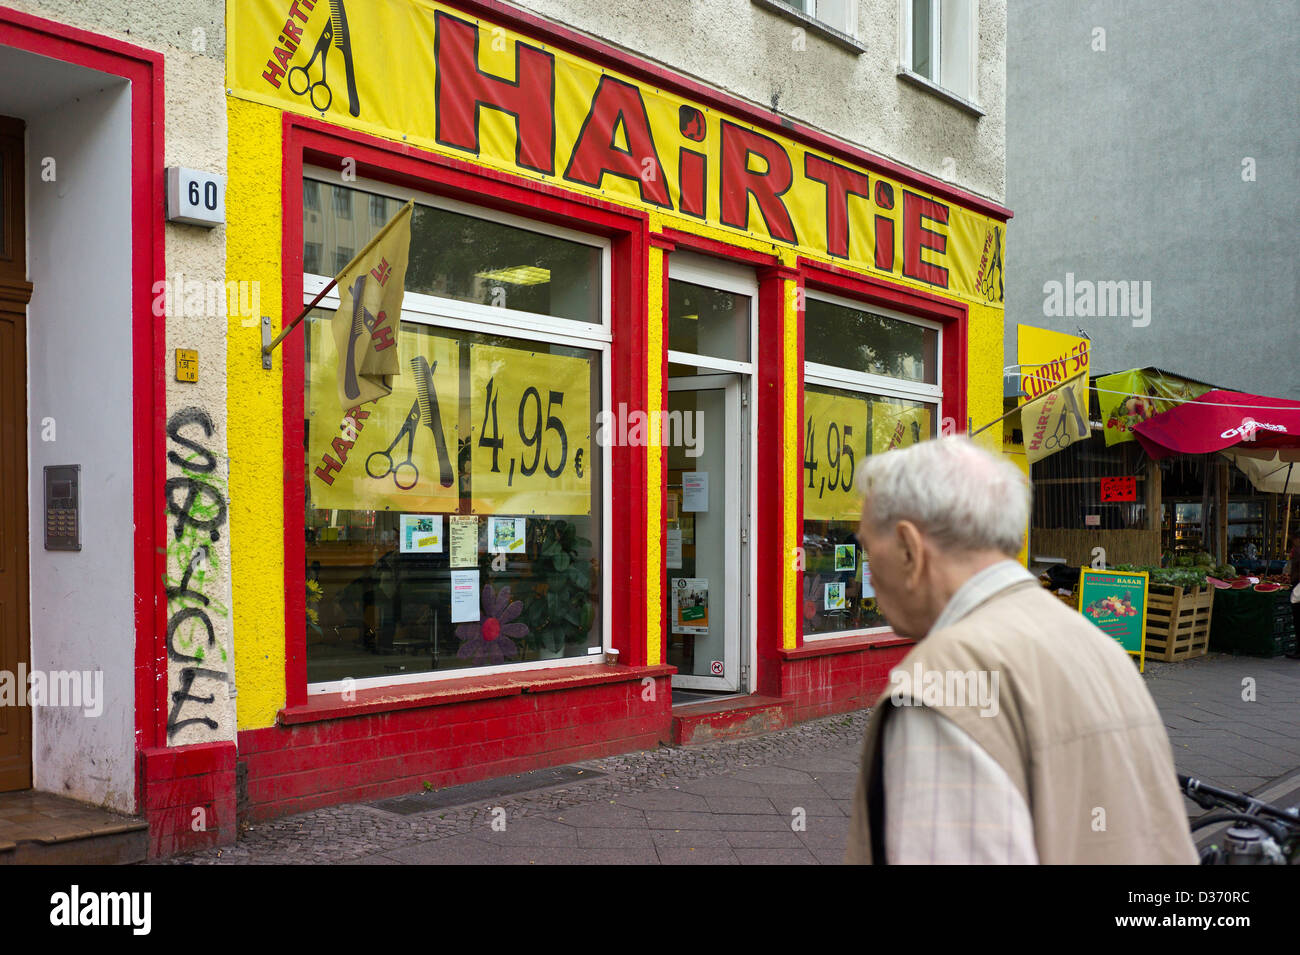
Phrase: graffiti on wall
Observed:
(198, 661)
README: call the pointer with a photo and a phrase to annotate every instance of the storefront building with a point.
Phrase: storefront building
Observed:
(650, 332)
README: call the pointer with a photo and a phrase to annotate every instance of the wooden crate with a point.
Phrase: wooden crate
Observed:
(1178, 622)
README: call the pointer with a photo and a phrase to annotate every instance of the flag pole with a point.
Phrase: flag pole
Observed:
(270, 347)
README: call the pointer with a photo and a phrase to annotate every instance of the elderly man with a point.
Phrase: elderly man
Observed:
(1014, 731)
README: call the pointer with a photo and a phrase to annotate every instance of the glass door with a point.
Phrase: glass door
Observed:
(706, 521)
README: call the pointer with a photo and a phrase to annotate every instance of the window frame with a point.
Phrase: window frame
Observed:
(967, 99)
(436, 312)
(880, 386)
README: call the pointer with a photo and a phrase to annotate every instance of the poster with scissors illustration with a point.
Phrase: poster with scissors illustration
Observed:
(394, 454)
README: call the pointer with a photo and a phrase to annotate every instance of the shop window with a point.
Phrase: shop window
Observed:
(939, 39)
(457, 524)
(379, 211)
(342, 256)
(459, 256)
(708, 322)
(866, 391)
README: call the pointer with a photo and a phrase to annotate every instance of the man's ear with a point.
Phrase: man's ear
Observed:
(911, 547)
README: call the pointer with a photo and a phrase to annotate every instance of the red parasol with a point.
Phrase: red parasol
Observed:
(1221, 419)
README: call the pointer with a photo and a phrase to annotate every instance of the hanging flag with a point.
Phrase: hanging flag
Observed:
(1057, 419)
(370, 308)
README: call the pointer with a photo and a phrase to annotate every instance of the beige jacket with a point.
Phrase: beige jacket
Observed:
(1074, 728)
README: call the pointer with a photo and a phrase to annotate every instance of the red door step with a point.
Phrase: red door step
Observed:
(732, 718)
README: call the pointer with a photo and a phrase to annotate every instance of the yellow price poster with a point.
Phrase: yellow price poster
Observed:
(835, 444)
(530, 432)
(397, 453)
(897, 426)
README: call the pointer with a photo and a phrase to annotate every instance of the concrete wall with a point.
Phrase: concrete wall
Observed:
(1127, 164)
(82, 334)
(754, 53)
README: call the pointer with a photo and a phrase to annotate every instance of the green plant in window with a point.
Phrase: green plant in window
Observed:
(562, 606)
(314, 594)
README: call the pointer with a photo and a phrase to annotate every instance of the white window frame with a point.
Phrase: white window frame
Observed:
(879, 386)
(436, 312)
(968, 96)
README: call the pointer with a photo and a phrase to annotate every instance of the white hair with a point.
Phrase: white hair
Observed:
(956, 492)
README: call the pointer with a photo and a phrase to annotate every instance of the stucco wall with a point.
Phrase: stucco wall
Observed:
(752, 52)
(1126, 164)
(191, 36)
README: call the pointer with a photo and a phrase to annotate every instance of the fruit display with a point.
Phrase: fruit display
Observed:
(1112, 606)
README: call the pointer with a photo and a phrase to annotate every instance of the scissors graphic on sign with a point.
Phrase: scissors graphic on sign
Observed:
(1059, 438)
(396, 468)
(335, 32)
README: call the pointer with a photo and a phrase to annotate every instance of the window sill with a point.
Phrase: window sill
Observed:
(385, 699)
(829, 647)
(916, 79)
(837, 37)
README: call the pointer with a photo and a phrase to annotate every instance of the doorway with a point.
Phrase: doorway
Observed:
(709, 493)
(15, 292)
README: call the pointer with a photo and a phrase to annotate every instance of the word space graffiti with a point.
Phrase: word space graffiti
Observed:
(196, 506)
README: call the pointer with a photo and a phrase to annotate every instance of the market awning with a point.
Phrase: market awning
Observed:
(1269, 471)
(1218, 420)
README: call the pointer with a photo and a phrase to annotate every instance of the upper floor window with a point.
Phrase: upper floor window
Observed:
(837, 14)
(939, 43)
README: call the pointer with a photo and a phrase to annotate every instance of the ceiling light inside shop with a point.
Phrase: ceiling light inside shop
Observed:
(517, 275)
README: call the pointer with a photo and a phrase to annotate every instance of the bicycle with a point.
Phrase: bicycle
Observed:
(1261, 834)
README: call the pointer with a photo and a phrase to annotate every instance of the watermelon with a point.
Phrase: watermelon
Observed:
(1241, 583)
(1219, 584)
(1267, 588)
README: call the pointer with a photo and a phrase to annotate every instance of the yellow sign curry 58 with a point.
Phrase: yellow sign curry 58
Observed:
(424, 73)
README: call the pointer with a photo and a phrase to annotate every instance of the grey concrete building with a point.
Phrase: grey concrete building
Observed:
(1153, 145)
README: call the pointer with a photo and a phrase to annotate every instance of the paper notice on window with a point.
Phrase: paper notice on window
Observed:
(695, 490)
(690, 605)
(673, 550)
(834, 596)
(421, 533)
(464, 596)
(867, 589)
(464, 541)
(506, 535)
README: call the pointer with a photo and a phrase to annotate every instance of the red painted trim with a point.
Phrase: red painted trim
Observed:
(144, 69)
(309, 141)
(602, 54)
(689, 242)
(664, 622)
(769, 529)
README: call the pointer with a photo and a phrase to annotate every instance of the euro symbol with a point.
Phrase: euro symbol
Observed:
(577, 463)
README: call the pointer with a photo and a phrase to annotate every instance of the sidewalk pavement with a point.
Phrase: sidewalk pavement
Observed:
(744, 801)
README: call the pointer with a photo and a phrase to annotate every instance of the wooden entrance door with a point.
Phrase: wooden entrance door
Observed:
(15, 639)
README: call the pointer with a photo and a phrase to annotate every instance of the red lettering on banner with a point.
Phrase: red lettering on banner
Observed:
(614, 104)
(461, 90)
(841, 182)
(916, 236)
(382, 272)
(327, 465)
(739, 182)
(691, 169)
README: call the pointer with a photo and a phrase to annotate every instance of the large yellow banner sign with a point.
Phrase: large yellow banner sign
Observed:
(429, 75)
(835, 445)
(530, 432)
(397, 453)
(1053, 415)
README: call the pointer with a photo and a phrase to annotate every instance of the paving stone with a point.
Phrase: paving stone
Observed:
(689, 838)
(610, 817)
(764, 840)
(615, 839)
(743, 804)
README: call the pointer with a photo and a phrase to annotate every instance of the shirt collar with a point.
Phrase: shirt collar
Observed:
(979, 588)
